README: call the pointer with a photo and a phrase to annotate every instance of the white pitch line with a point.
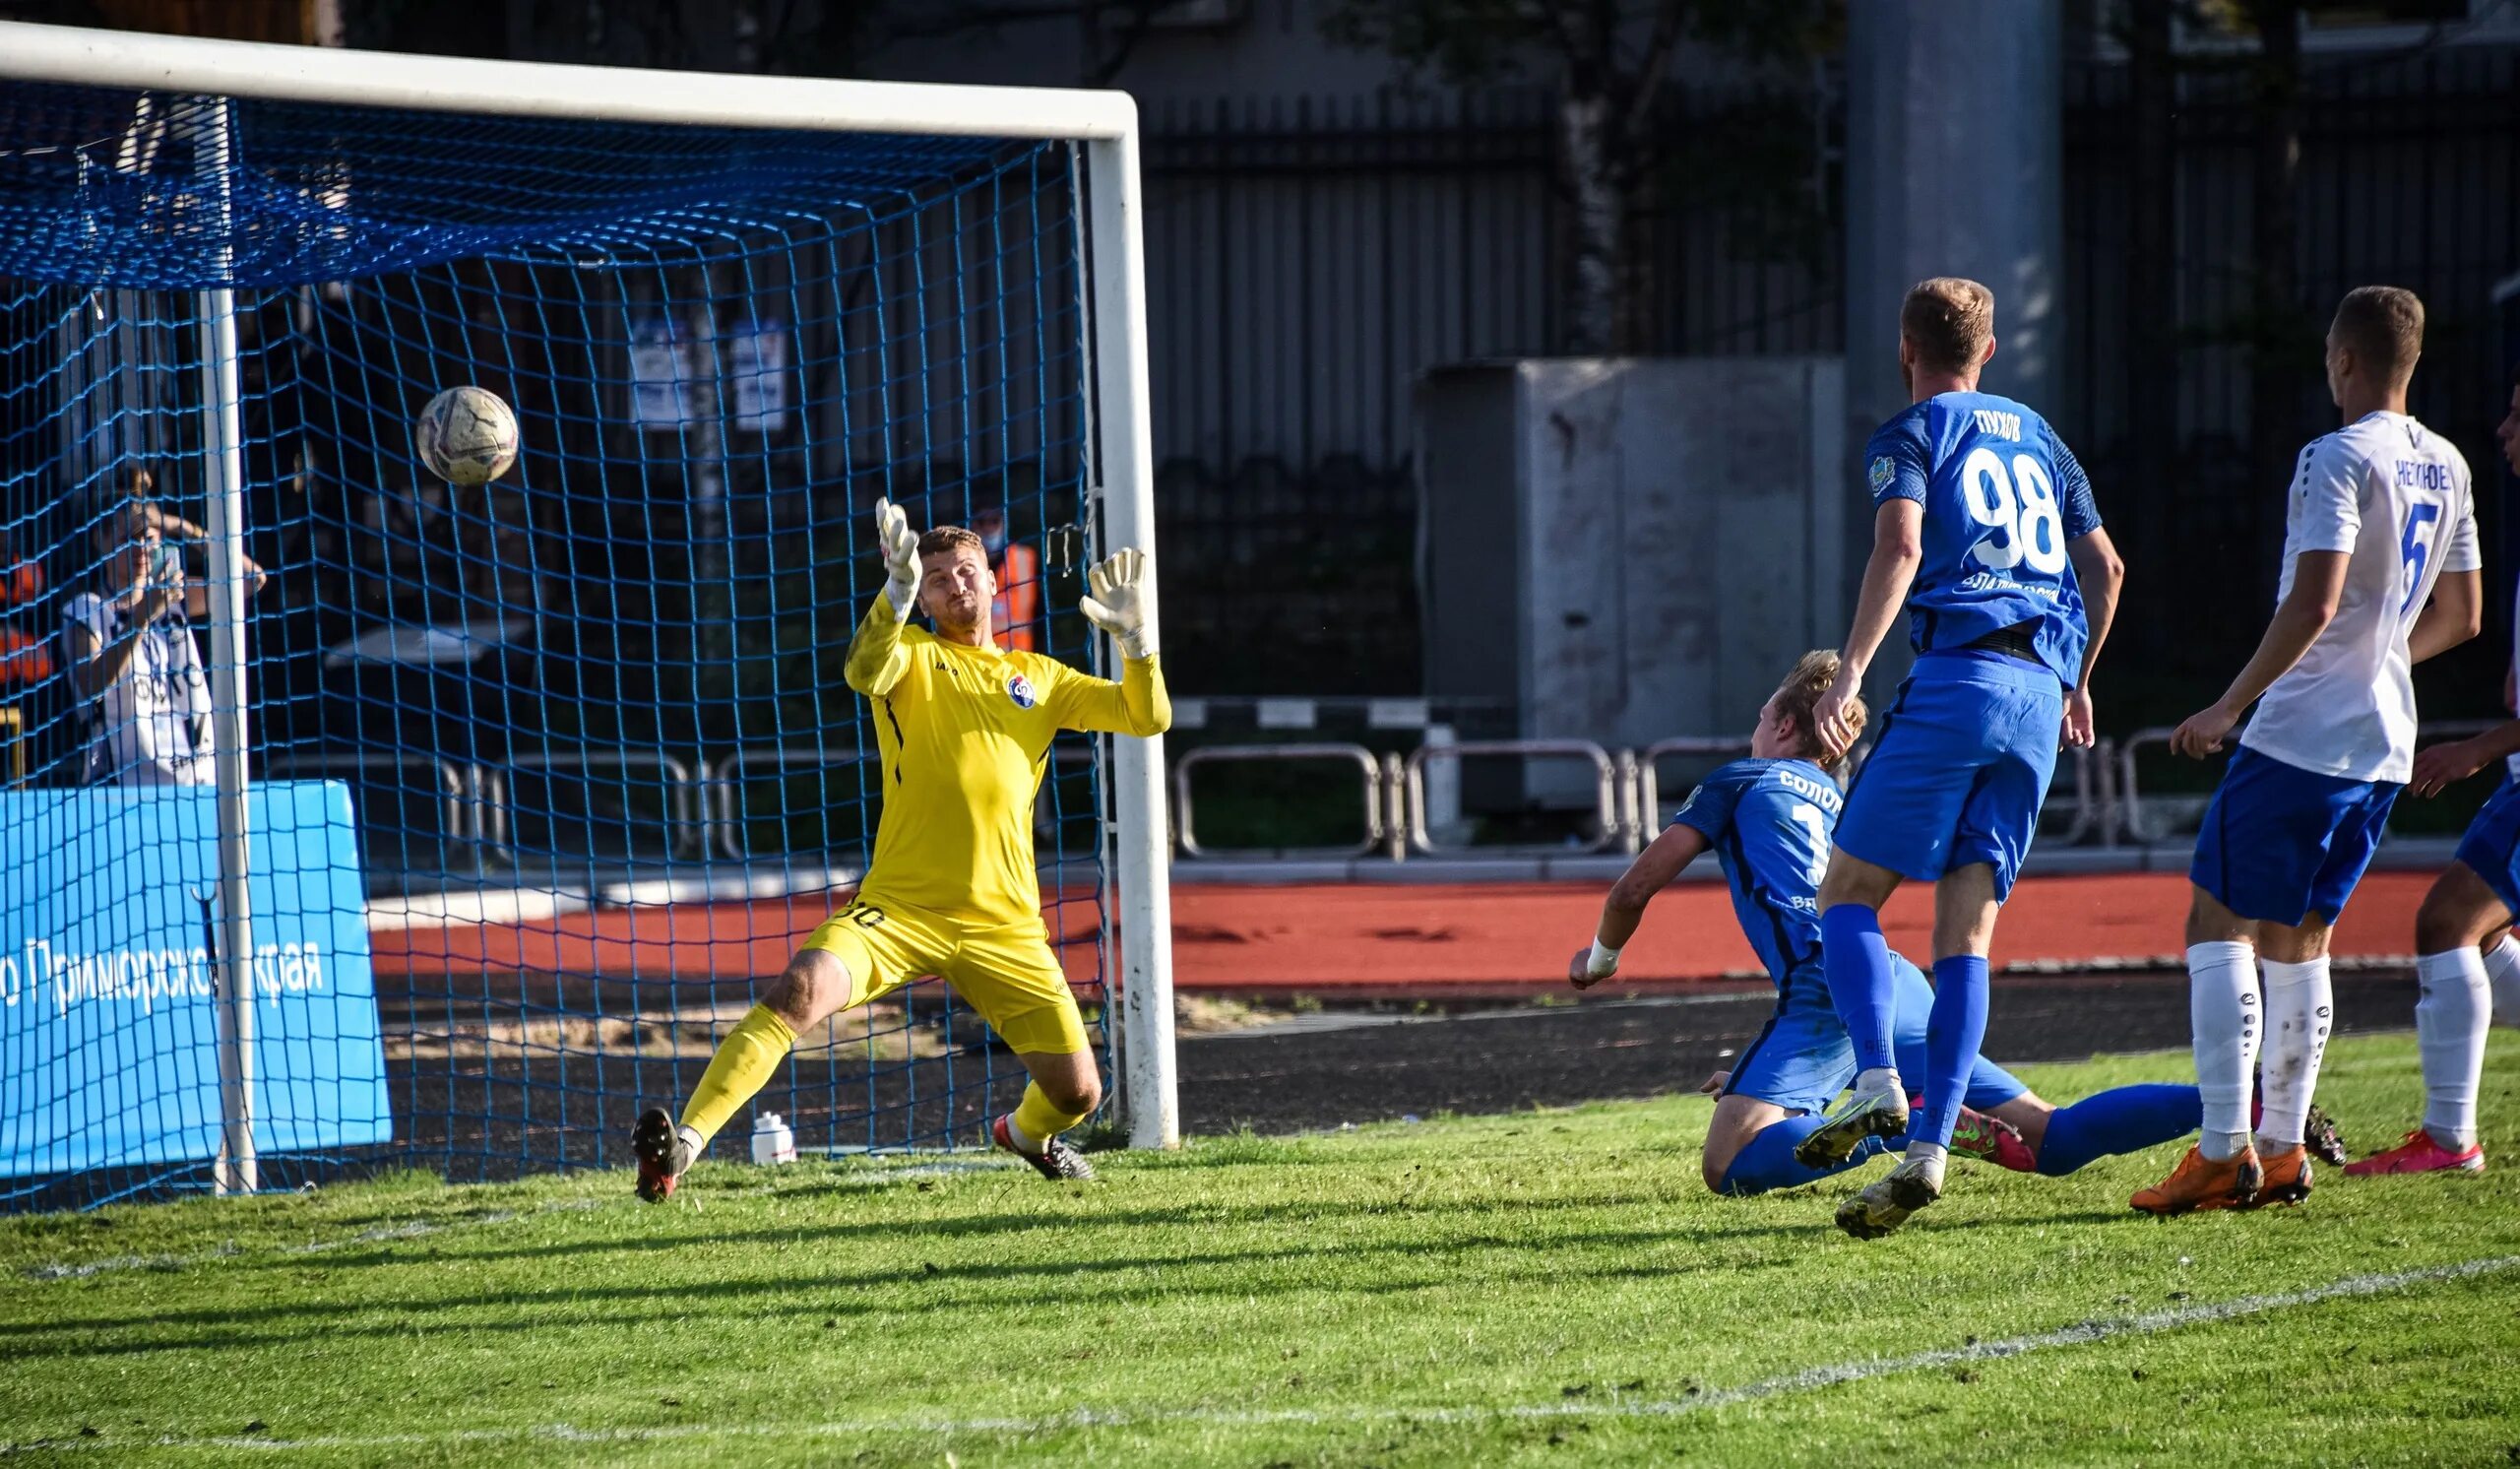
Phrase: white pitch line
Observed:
(1808, 1379)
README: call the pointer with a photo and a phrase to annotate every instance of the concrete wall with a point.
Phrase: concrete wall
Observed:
(1630, 549)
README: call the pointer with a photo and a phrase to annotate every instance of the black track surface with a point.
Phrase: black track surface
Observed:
(1499, 1060)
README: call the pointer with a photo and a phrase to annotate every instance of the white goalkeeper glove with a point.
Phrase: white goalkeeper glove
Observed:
(1118, 602)
(900, 545)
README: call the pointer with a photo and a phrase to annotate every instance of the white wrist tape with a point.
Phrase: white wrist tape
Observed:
(1603, 961)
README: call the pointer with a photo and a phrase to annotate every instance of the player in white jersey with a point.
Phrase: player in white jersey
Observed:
(2380, 572)
(2464, 983)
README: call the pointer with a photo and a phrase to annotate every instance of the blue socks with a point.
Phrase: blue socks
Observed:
(2123, 1120)
(1856, 960)
(1767, 1161)
(1954, 1030)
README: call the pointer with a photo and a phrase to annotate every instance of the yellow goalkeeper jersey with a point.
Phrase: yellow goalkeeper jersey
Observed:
(965, 735)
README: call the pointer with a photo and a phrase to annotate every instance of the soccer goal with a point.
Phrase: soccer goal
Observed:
(351, 816)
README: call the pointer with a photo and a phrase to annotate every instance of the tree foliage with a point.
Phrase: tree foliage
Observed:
(1611, 64)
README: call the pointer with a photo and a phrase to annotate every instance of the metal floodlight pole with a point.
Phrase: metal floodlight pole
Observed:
(1150, 1092)
(224, 478)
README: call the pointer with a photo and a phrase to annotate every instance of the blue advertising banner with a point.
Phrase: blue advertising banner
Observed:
(108, 1029)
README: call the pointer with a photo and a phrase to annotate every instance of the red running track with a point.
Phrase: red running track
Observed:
(1364, 940)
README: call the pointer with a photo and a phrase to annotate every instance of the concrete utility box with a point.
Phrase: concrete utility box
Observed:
(1628, 549)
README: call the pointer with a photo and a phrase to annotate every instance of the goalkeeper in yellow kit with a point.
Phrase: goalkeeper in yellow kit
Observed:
(965, 729)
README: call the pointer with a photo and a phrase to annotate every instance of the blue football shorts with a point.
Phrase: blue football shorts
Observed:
(1960, 770)
(2281, 843)
(2492, 847)
(1802, 1059)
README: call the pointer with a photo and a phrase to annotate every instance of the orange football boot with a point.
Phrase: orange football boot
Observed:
(2200, 1183)
(2283, 1178)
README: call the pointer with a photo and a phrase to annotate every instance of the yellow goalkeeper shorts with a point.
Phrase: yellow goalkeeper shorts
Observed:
(1005, 971)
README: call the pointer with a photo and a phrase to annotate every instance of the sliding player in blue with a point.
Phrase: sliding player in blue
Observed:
(1986, 532)
(1768, 821)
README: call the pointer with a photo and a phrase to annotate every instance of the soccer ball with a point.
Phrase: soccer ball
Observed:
(466, 435)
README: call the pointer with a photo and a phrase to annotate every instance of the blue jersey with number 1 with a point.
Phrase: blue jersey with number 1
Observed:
(2003, 495)
(1769, 822)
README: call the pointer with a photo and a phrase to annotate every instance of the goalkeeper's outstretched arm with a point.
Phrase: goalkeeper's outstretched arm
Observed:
(1138, 704)
(876, 658)
(1625, 909)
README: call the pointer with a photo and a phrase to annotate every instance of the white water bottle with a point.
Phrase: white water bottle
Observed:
(772, 1140)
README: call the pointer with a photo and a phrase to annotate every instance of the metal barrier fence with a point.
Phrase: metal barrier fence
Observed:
(1185, 828)
(704, 815)
(1612, 784)
(457, 789)
(1627, 791)
(2129, 817)
(1647, 809)
(686, 828)
(727, 779)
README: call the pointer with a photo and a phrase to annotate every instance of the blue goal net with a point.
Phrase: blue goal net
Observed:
(541, 778)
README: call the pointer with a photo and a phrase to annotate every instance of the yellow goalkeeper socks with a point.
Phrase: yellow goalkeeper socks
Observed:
(745, 1060)
(1036, 1121)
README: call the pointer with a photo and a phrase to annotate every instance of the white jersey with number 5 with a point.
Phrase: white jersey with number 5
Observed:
(2396, 496)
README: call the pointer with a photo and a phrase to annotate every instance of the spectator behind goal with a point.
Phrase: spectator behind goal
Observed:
(134, 665)
(1015, 613)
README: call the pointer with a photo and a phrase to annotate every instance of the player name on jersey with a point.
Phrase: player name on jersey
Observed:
(1998, 424)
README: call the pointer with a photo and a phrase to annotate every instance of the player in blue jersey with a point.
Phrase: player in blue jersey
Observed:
(1768, 821)
(1985, 531)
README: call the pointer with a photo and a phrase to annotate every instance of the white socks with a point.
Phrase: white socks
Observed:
(1878, 1080)
(2502, 968)
(2451, 1012)
(2300, 1005)
(2223, 1012)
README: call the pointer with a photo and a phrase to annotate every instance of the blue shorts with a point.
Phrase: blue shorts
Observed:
(2492, 847)
(1802, 1060)
(1961, 768)
(2281, 843)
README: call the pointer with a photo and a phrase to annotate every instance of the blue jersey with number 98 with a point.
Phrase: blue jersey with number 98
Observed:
(2002, 495)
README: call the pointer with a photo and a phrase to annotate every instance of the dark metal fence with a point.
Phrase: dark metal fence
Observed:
(1307, 260)
(2408, 175)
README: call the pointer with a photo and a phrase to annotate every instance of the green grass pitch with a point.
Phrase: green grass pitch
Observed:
(1542, 1288)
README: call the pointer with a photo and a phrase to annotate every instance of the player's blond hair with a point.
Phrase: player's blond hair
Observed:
(939, 540)
(1800, 693)
(1950, 319)
(2383, 327)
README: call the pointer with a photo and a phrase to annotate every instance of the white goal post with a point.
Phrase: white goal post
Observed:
(1103, 126)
